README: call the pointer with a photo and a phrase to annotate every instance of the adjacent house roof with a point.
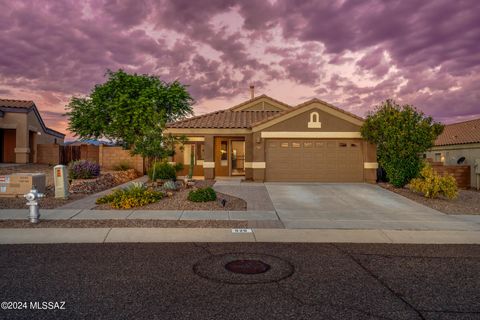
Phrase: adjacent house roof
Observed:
(25, 106)
(460, 133)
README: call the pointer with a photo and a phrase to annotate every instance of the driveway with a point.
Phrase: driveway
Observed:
(355, 206)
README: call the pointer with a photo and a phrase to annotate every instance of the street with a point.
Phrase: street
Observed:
(189, 281)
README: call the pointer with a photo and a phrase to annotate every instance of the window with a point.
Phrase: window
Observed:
(296, 145)
(307, 144)
(438, 157)
(272, 144)
(223, 150)
(200, 151)
(284, 145)
(353, 145)
(342, 145)
(319, 144)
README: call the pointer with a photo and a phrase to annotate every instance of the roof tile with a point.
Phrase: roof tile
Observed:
(460, 133)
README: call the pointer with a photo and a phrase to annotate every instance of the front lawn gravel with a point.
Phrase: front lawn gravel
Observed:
(468, 201)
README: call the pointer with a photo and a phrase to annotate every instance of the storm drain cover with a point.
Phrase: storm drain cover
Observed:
(243, 268)
(247, 266)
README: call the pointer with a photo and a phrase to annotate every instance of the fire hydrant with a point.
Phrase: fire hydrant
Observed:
(32, 198)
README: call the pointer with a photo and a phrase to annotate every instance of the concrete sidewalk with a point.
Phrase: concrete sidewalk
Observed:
(135, 235)
(85, 214)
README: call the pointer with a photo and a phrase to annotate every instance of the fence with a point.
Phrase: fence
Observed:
(107, 157)
(460, 173)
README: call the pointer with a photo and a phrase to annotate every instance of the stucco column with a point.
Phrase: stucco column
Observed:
(258, 164)
(22, 149)
(209, 161)
(249, 145)
(370, 164)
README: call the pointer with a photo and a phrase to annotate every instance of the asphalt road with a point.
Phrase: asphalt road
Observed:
(306, 281)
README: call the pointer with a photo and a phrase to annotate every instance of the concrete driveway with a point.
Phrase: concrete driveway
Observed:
(355, 206)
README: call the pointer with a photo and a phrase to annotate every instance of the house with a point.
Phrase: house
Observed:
(459, 144)
(21, 130)
(264, 139)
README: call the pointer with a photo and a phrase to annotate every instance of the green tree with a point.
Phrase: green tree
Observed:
(401, 134)
(130, 109)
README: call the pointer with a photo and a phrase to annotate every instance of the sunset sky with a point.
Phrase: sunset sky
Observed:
(352, 54)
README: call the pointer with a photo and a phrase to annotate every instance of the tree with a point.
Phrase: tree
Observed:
(401, 134)
(130, 109)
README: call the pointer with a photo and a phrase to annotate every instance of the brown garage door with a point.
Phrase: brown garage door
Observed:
(314, 160)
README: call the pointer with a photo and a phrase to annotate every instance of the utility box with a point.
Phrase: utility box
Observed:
(60, 178)
(476, 166)
(18, 184)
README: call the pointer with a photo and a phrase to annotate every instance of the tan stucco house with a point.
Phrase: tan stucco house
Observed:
(264, 139)
(459, 143)
(21, 130)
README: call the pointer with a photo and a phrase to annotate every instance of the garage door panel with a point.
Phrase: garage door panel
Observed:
(314, 160)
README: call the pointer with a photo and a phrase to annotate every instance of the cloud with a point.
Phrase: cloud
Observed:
(350, 53)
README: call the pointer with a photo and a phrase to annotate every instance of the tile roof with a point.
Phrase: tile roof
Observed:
(9, 103)
(460, 133)
(26, 106)
(224, 119)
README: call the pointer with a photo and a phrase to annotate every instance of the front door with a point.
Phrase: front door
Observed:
(222, 157)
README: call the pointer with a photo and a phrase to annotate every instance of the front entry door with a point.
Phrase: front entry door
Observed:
(222, 157)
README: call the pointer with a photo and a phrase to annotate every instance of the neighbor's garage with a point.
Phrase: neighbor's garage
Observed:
(314, 160)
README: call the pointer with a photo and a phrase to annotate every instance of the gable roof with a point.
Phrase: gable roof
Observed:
(26, 106)
(224, 119)
(297, 109)
(236, 118)
(254, 101)
(460, 133)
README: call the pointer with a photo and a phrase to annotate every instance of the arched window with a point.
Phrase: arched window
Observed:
(314, 120)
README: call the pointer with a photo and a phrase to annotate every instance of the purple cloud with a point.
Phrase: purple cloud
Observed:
(350, 53)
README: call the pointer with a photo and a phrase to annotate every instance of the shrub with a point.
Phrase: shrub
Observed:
(83, 169)
(122, 166)
(178, 166)
(136, 195)
(401, 133)
(162, 170)
(202, 195)
(432, 184)
(169, 185)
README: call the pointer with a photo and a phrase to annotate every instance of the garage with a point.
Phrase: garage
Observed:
(319, 160)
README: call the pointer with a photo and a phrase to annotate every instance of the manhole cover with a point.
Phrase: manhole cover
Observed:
(243, 268)
(247, 266)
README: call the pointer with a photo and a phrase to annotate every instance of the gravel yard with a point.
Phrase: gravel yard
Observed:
(138, 223)
(179, 201)
(468, 201)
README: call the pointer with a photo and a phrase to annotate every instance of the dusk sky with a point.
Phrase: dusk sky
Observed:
(352, 54)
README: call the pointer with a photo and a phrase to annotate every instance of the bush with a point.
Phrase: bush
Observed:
(136, 195)
(83, 169)
(169, 185)
(162, 170)
(401, 133)
(202, 195)
(122, 166)
(431, 184)
(178, 167)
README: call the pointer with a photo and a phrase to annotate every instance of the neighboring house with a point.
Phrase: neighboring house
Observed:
(267, 140)
(458, 144)
(21, 130)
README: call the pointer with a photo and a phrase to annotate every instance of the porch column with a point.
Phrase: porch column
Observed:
(209, 162)
(22, 150)
(249, 145)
